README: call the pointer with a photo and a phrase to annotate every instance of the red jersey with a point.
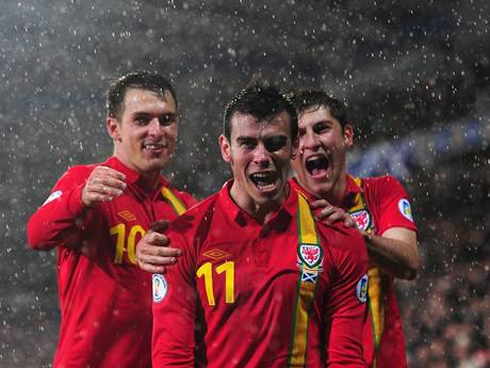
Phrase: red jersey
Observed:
(105, 298)
(283, 294)
(377, 204)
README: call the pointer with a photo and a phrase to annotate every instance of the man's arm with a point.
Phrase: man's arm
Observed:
(174, 312)
(153, 252)
(325, 212)
(394, 246)
(60, 220)
(395, 252)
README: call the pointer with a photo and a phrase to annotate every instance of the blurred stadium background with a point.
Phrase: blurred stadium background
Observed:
(416, 76)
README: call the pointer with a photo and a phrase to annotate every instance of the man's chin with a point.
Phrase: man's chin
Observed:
(155, 165)
(277, 195)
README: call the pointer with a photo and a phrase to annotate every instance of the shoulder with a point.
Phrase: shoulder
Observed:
(345, 252)
(188, 199)
(384, 181)
(199, 213)
(344, 242)
(386, 186)
(78, 173)
(338, 236)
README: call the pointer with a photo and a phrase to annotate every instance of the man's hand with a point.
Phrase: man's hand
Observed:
(103, 185)
(153, 252)
(324, 211)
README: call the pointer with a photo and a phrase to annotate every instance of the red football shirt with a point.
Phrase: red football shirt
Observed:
(105, 298)
(378, 204)
(251, 295)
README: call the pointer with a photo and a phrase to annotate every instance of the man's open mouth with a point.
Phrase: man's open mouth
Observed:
(154, 146)
(317, 165)
(264, 180)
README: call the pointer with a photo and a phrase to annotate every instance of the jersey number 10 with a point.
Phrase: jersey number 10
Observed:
(120, 231)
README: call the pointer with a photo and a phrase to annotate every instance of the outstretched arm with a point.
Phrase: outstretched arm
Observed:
(153, 252)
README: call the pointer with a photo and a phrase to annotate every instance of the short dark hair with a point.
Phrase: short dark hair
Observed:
(262, 102)
(140, 80)
(307, 99)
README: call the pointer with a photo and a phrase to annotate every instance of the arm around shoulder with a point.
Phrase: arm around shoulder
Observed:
(395, 252)
(394, 247)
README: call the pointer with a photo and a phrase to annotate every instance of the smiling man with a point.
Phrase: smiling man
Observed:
(94, 217)
(380, 207)
(258, 283)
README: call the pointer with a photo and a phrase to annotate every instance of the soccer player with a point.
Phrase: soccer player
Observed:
(380, 207)
(258, 283)
(94, 217)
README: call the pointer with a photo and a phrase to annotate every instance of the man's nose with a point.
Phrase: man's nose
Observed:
(262, 156)
(154, 127)
(309, 140)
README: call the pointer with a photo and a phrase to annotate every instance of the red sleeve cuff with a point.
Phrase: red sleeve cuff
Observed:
(74, 202)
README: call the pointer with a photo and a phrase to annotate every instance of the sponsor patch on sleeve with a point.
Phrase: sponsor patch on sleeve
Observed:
(53, 196)
(405, 209)
(159, 287)
(362, 289)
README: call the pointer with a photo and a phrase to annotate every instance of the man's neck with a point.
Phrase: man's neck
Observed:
(151, 179)
(334, 195)
(262, 213)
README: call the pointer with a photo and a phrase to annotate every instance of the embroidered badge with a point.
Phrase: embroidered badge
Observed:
(310, 255)
(127, 215)
(362, 289)
(53, 196)
(405, 209)
(362, 219)
(160, 287)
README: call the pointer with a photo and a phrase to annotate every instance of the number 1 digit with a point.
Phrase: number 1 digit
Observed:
(206, 271)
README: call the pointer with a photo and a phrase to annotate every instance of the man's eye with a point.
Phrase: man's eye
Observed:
(248, 144)
(319, 128)
(142, 121)
(166, 120)
(275, 143)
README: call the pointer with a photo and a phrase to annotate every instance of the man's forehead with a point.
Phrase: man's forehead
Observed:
(314, 114)
(248, 120)
(137, 96)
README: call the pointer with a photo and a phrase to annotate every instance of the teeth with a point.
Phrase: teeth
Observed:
(264, 180)
(153, 146)
(316, 164)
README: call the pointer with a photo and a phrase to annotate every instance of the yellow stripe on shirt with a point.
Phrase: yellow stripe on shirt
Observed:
(375, 291)
(175, 202)
(307, 235)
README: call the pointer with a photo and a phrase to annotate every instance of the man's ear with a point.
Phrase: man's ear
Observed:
(113, 128)
(225, 147)
(348, 135)
(295, 148)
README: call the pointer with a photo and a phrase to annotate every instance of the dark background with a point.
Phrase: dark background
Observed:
(415, 75)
